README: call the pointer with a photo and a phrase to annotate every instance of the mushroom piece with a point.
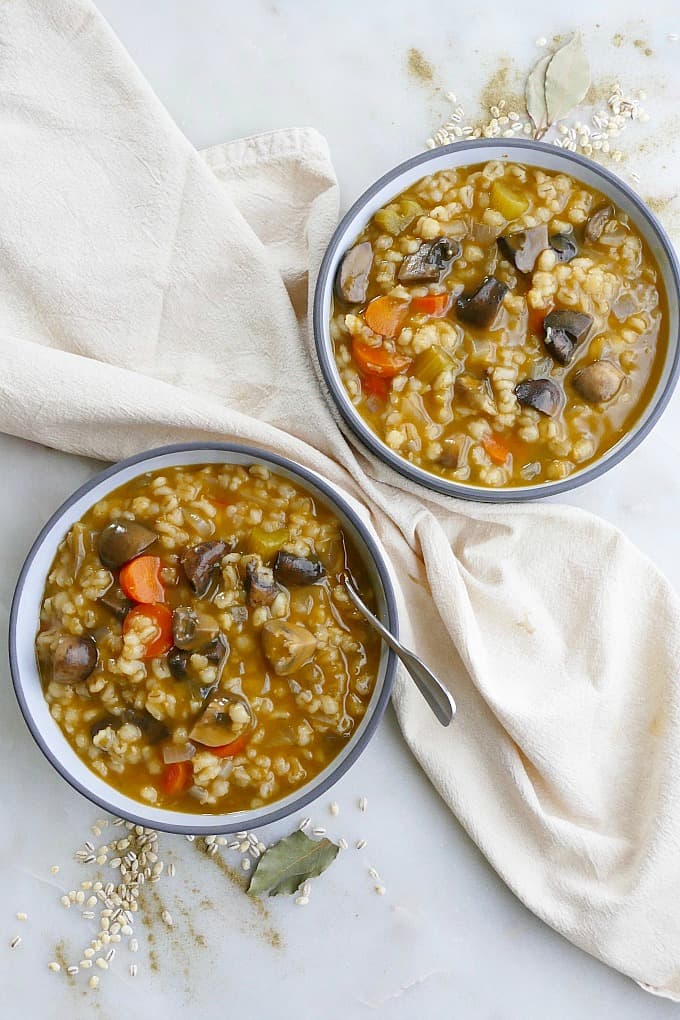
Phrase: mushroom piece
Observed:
(122, 540)
(541, 394)
(178, 663)
(260, 584)
(351, 283)
(217, 650)
(564, 330)
(481, 308)
(523, 247)
(116, 601)
(287, 647)
(596, 223)
(476, 393)
(225, 718)
(74, 658)
(290, 569)
(431, 260)
(192, 630)
(153, 729)
(564, 247)
(598, 382)
(199, 563)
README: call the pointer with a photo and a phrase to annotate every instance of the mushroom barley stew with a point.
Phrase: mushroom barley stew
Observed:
(499, 325)
(196, 646)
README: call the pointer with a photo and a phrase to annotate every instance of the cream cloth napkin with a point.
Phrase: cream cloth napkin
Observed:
(149, 294)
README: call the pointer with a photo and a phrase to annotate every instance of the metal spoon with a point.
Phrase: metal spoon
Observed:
(432, 689)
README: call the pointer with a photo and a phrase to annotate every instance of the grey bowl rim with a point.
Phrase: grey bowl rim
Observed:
(306, 475)
(367, 437)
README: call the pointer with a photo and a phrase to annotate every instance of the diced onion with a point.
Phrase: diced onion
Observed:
(173, 753)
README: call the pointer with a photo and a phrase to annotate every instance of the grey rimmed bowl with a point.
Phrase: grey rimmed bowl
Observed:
(537, 154)
(24, 621)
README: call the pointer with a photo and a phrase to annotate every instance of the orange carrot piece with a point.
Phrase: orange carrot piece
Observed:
(177, 777)
(140, 579)
(233, 748)
(496, 448)
(378, 361)
(161, 616)
(431, 304)
(386, 315)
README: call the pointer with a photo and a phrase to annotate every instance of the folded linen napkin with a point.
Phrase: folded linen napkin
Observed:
(152, 294)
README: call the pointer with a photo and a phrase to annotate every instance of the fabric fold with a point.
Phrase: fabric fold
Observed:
(151, 294)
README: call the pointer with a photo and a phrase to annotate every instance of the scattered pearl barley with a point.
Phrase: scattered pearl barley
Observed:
(21, 916)
(54, 966)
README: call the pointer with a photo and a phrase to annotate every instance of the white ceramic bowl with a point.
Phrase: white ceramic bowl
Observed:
(24, 620)
(548, 157)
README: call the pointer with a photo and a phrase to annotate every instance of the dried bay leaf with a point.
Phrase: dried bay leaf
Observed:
(534, 96)
(567, 79)
(290, 862)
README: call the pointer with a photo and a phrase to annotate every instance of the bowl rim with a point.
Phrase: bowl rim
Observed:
(211, 824)
(369, 440)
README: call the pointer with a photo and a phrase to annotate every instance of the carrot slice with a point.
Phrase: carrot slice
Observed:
(431, 304)
(496, 448)
(177, 777)
(140, 579)
(161, 616)
(386, 315)
(233, 748)
(373, 385)
(378, 361)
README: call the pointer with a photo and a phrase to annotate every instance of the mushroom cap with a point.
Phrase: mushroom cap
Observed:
(351, 283)
(199, 563)
(598, 382)
(73, 659)
(481, 307)
(223, 719)
(290, 569)
(120, 541)
(541, 394)
(287, 647)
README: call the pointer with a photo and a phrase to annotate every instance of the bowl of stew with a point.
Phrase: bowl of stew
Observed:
(498, 320)
(182, 647)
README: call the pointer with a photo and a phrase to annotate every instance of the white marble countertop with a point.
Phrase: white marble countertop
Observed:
(448, 938)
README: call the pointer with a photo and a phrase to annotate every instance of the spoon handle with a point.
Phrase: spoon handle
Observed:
(436, 695)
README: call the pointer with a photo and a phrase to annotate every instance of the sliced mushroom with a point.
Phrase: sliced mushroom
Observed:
(178, 663)
(217, 650)
(481, 308)
(122, 540)
(476, 393)
(290, 569)
(116, 601)
(153, 729)
(598, 382)
(287, 647)
(596, 223)
(523, 247)
(192, 630)
(564, 247)
(455, 451)
(431, 260)
(541, 394)
(564, 330)
(260, 584)
(224, 719)
(74, 658)
(199, 563)
(351, 282)
(624, 306)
